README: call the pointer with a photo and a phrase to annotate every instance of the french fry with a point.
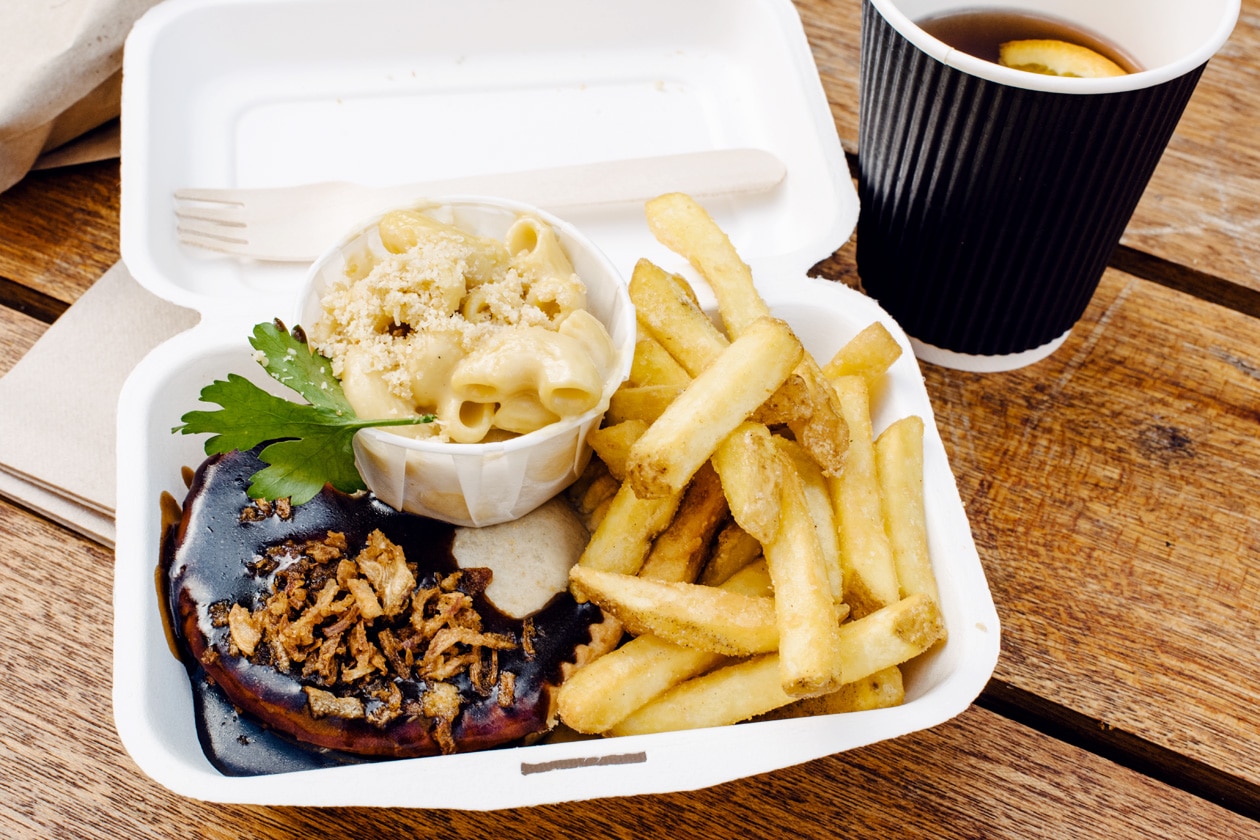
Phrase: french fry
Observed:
(821, 511)
(612, 444)
(679, 551)
(868, 354)
(749, 370)
(683, 226)
(623, 537)
(730, 694)
(751, 471)
(593, 494)
(600, 511)
(752, 580)
(870, 575)
(687, 614)
(803, 604)
(880, 690)
(899, 464)
(733, 549)
(672, 317)
(889, 636)
(744, 435)
(653, 365)
(640, 402)
(679, 223)
(751, 687)
(804, 400)
(603, 692)
(821, 427)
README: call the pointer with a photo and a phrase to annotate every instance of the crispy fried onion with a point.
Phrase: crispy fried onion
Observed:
(352, 628)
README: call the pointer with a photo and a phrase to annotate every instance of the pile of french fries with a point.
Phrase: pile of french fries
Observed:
(766, 554)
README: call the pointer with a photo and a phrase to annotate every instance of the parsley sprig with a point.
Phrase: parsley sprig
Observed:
(310, 443)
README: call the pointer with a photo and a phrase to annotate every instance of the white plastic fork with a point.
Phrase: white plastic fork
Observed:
(296, 224)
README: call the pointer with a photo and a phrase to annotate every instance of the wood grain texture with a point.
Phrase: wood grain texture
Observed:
(66, 775)
(18, 333)
(1202, 207)
(59, 229)
(833, 30)
(1110, 489)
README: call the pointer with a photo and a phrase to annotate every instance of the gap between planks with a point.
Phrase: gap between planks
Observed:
(1123, 748)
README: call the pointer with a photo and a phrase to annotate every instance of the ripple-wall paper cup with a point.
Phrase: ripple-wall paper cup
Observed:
(992, 198)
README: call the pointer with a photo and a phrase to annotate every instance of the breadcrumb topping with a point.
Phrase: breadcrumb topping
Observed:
(352, 627)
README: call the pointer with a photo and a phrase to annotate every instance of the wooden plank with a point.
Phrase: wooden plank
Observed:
(66, 774)
(59, 229)
(18, 333)
(834, 39)
(1110, 490)
(1201, 206)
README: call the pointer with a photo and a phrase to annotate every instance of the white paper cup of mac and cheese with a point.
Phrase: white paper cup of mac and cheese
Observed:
(500, 324)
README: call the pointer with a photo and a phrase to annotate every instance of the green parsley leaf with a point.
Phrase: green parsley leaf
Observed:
(310, 444)
(292, 362)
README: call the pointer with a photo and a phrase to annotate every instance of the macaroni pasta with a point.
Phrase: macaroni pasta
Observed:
(492, 338)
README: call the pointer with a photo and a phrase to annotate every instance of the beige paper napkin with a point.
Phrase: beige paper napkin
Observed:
(58, 405)
(62, 74)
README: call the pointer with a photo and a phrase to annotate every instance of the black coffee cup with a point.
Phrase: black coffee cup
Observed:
(992, 197)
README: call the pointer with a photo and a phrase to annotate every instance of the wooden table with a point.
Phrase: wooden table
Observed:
(1112, 493)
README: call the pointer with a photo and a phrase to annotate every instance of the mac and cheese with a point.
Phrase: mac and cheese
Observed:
(493, 338)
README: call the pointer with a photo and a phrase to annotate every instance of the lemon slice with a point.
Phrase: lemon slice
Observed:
(1057, 58)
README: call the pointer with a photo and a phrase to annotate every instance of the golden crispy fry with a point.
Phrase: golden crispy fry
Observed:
(623, 537)
(728, 390)
(880, 690)
(612, 444)
(672, 317)
(821, 511)
(751, 470)
(804, 607)
(593, 494)
(733, 549)
(599, 512)
(679, 223)
(687, 614)
(596, 472)
(751, 687)
(653, 365)
(730, 694)
(603, 692)
(821, 429)
(683, 226)
(870, 576)
(642, 402)
(890, 636)
(789, 404)
(868, 354)
(821, 519)
(752, 580)
(899, 463)
(804, 400)
(679, 552)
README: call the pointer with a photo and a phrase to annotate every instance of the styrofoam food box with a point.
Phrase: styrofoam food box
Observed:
(266, 92)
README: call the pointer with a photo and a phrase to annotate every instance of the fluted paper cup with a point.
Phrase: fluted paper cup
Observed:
(477, 484)
(992, 198)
